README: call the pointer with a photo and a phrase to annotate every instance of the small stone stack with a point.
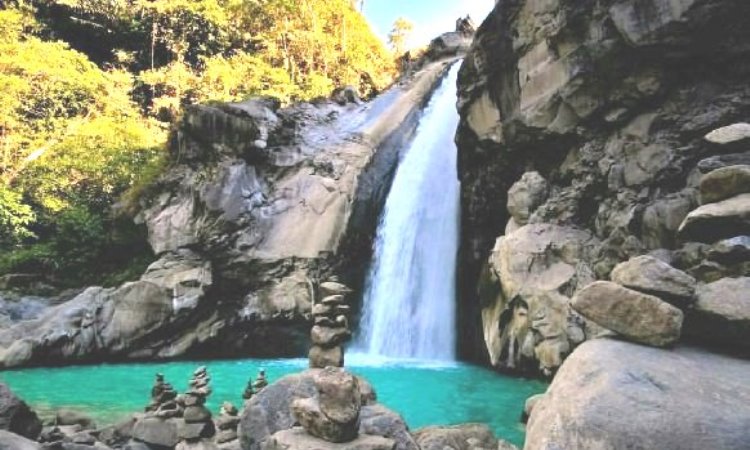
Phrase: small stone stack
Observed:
(197, 418)
(227, 424)
(331, 326)
(249, 392)
(163, 399)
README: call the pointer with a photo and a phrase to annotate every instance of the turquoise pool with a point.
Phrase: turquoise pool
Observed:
(425, 393)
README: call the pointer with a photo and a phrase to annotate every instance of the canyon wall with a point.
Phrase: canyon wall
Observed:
(589, 132)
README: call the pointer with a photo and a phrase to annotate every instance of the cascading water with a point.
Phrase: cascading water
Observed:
(409, 302)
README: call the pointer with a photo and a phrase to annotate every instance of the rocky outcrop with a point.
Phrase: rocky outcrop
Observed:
(259, 204)
(667, 399)
(653, 276)
(608, 118)
(269, 413)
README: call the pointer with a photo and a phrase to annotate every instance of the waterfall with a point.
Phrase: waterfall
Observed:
(409, 302)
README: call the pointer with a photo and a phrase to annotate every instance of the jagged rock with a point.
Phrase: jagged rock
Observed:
(721, 314)
(11, 441)
(156, 431)
(525, 293)
(346, 94)
(321, 357)
(639, 317)
(572, 90)
(687, 391)
(716, 221)
(269, 411)
(458, 437)
(16, 416)
(118, 434)
(652, 276)
(333, 413)
(732, 250)
(729, 134)
(297, 439)
(378, 420)
(525, 196)
(723, 183)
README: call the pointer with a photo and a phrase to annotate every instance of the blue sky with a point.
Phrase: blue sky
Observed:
(430, 17)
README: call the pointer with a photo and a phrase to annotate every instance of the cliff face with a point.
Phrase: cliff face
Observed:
(582, 144)
(258, 205)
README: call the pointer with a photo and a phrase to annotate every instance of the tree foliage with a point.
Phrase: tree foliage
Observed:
(88, 89)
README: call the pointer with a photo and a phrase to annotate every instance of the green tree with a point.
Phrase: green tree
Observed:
(399, 35)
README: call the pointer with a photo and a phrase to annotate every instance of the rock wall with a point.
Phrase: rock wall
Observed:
(586, 138)
(258, 205)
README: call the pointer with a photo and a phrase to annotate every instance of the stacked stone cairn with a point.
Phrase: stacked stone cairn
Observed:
(164, 402)
(197, 425)
(227, 424)
(331, 326)
(333, 414)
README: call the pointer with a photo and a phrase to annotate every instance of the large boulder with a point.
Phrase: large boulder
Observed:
(156, 431)
(636, 316)
(333, 414)
(612, 395)
(721, 314)
(715, 221)
(269, 411)
(297, 439)
(471, 436)
(16, 416)
(11, 441)
(724, 183)
(652, 276)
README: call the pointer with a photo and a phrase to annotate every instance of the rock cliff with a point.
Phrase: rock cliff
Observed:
(259, 204)
(593, 132)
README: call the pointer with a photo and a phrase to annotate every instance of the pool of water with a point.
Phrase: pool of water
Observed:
(425, 393)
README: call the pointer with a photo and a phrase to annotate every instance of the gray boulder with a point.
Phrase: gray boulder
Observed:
(613, 395)
(721, 314)
(67, 416)
(11, 441)
(378, 420)
(729, 134)
(297, 439)
(724, 183)
(715, 221)
(16, 416)
(470, 436)
(652, 276)
(636, 316)
(155, 431)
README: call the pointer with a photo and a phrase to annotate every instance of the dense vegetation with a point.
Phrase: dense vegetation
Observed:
(88, 89)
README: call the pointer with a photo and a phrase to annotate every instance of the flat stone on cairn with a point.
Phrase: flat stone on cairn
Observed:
(330, 326)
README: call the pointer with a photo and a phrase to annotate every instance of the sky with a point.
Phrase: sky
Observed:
(430, 17)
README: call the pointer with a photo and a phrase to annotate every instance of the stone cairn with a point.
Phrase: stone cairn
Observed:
(255, 386)
(164, 402)
(331, 326)
(227, 423)
(333, 414)
(197, 418)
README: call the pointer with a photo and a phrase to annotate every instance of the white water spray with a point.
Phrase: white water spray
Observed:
(409, 303)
